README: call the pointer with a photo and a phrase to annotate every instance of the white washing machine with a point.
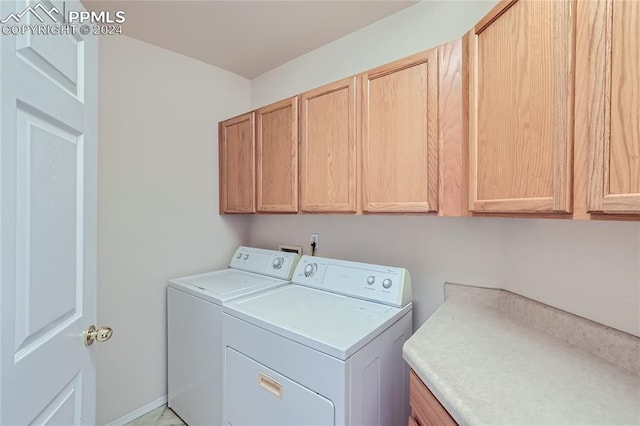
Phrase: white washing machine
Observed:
(326, 350)
(194, 311)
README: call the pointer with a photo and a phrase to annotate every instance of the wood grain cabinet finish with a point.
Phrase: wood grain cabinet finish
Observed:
(453, 117)
(521, 107)
(608, 104)
(277, 157)
(328, 148)
(426, 410)
(236, 164)
(400, 135)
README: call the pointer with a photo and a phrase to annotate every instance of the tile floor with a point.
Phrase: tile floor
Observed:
(161, 416)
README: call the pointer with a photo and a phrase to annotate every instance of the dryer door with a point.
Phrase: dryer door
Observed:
(257, 395)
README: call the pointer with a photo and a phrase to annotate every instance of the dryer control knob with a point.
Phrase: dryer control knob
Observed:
(278, 262)
(387, 283)
(246, 256)
(239, 255)
(310, 269)
(371, 280)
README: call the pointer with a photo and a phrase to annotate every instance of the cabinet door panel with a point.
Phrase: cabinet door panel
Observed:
(426, 410)
(328, 148)
(521, 108)
(400, 135)
(236, 164)
(624, 150)
(277, 157)
(614, 39)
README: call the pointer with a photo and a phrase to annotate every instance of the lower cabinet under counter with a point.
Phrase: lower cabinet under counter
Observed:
(426, 410)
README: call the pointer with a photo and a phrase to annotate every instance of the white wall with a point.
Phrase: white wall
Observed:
(591, 269)
(433, 249)
(158, 204)
(409, 31)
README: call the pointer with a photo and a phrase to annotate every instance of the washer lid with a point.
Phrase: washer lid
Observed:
(331, 323)
(221, 286)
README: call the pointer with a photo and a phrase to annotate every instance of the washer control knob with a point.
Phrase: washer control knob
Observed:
(246, 256)
(310, 269)
(387, 283)
(371, 279)
(278, 262)
(239, 255)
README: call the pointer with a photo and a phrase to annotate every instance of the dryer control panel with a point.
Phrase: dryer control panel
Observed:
(383, 284)
(277, 264)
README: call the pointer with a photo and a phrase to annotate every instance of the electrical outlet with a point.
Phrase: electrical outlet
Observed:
(315, 239)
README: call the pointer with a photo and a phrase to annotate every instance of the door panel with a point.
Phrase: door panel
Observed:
(521, 106)
(64, 407)
(328, 148)
(400, 135)
(237, 164)
(611, 35)
(48, 106)
(59, 61)
(277, 157)
(47, 228)
(624, 173)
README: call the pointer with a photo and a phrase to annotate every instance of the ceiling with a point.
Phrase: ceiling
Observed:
(245, 37)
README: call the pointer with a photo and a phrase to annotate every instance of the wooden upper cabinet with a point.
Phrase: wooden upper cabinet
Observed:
(236, 144)
(608, 104)
(453, 116)
(277, 157)
(328, 148)
(400, 135)
(521, 108)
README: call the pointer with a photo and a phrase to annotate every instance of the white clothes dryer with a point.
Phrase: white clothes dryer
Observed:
(194, 340)
(326, 350)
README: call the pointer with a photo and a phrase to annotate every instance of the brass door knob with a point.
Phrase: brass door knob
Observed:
(101, 334)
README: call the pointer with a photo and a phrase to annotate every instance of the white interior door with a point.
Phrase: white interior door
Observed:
(48, 111)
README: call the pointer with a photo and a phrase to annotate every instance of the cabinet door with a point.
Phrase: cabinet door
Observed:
(236, 164)
(609, 43)
(426, 410)
(328, 148)
(521, 108)
(400, 135)
(277, 157)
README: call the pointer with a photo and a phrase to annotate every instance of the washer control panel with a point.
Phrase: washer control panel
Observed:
(383, 284)
(274, 263)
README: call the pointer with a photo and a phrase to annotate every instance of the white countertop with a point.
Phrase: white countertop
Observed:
(486, 367)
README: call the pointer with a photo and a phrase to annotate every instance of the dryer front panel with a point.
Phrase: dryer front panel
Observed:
(257, 395)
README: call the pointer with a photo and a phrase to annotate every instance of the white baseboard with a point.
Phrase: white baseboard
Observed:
(139, 412)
